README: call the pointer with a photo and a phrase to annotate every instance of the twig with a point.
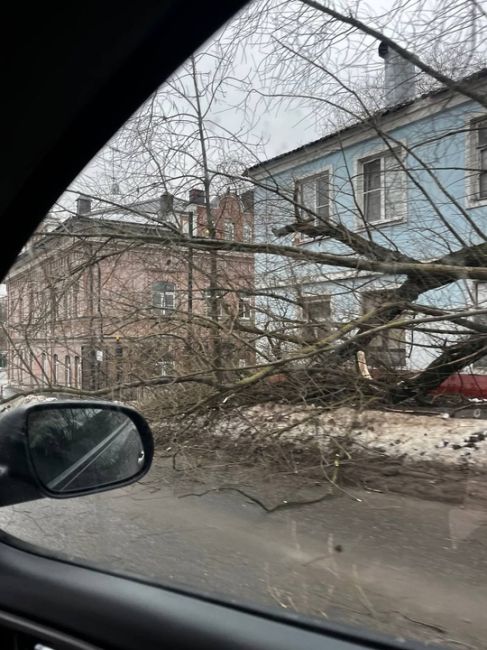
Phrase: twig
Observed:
(280, 506)
(431, 626)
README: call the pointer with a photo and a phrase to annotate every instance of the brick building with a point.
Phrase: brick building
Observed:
(110, 296)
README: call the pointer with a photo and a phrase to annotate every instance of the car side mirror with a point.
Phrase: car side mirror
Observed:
(71, 448)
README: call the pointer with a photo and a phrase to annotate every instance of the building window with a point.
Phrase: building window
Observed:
(164, 297)
(478, 159)
(77, 372)
(481, 303)
(185, 225)
(75, 307)
(244, 306)
(313, 193)
(229, 230)
(21, 307)
(387, 350)
(20, 369)
(67, 370)
(217, 295)
(372, 197)
(481, 300)
(382, 188)
(67, 302)
(166, 365)
(482, 158)
(31, 302)
(317, 316)
(53, 304)
(55, 369)
(247, 233)
(44, 368)
(70, 301)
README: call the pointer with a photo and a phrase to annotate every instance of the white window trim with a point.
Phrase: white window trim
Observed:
(164, 309)
(471, 178)
(248, 301)
(357, 182)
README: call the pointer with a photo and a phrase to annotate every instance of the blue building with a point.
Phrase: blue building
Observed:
(412, 178)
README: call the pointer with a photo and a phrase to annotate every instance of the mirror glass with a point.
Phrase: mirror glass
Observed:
(82, 448)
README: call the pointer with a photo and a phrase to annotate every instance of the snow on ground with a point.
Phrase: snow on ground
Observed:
(414, 437)
(431, 438)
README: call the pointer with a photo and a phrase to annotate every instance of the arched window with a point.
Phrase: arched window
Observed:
(44, 368)
(55, 369)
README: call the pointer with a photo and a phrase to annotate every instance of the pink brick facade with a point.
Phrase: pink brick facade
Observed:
(92, 311)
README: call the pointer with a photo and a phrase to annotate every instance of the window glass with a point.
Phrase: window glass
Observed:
(482, 133)
(483, 173)
(55, 369)
(163, 296)
(214, 299)
(244, 306)
(314, 195)
(229, 230)
(372, 190)
(387, 349)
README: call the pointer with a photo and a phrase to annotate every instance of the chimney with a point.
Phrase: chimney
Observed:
(166, 203)
(399, 74)
(247, 199)
(196, 195)
(83, 205)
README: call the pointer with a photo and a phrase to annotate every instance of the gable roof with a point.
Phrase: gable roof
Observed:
(479, 76)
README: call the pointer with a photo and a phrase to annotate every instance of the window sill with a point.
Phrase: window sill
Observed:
(377, 225)
(312, 240)
(472, 202)
(162, 311)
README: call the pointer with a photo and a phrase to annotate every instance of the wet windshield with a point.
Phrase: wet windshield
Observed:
(281, 261)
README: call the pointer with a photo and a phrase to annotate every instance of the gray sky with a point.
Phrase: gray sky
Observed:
(284, 125)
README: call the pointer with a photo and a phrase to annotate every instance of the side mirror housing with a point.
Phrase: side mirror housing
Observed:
(71, 448)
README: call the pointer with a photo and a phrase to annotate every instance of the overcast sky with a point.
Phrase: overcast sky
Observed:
(422, 25)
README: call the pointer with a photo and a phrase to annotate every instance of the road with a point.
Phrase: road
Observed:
(405, 566)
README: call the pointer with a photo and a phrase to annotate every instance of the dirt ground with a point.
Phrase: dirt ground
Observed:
(428, 457)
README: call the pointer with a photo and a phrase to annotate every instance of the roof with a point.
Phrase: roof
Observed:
(476, 76)
(135, 218)
(146, 212)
